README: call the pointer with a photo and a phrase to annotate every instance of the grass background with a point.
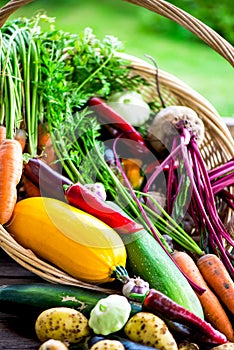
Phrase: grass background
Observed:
(190, 60)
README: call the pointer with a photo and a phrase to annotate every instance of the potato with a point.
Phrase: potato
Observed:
(52, 344)
(108, 345)
(226, 346)
(148, 329)
(62, 323)
(186, 345)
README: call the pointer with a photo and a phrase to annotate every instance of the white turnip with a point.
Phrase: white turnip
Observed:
(168, 123)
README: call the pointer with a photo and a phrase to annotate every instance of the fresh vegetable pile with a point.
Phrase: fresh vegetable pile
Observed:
(113, 190)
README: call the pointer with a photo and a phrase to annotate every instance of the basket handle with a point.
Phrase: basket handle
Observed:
(9, 8)
(201, 30)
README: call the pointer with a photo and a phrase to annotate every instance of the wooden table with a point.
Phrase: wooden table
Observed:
(13, 333)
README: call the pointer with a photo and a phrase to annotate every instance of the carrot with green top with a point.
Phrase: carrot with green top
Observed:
(45, 147)
(2, 133)
(21, 137)
(11, 164)
(31, 190)
(218, 278)
(213, 310)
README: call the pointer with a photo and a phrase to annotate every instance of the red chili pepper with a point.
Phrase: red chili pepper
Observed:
(109, 116)
(188, 333)
(158, 303)
(84, 199)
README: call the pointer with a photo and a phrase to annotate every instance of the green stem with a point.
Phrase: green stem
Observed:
(171, 227)
(34, 96)
(116, 183)
(64, 158)
(7, 91)
(94, 73)
(10, 123)
(2, 59)
(17, 92)
(124, 198)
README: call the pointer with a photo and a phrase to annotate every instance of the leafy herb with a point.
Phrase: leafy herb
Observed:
(57, 72)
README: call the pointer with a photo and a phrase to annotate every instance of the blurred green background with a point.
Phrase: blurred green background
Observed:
(176, 50)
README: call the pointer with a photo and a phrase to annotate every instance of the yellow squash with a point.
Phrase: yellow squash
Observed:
(78, 243)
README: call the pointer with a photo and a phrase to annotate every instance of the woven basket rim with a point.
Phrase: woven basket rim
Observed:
(192, 24)
(9, 8)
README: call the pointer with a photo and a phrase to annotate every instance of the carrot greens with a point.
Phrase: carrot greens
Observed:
(45, 72)
(19, 80)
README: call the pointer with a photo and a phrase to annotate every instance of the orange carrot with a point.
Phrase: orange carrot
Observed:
(2, 133)
(213, 310)
(20, 135)
(11, 165)
(30, 189)
(218, 278)
(45, 147)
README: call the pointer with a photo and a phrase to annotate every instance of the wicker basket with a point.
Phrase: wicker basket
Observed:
(218, 144)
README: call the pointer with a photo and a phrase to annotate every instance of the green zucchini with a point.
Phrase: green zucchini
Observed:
(148, 260)
(31, 299)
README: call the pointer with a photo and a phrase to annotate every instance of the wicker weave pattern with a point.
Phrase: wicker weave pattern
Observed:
(10, 8)
(217, 147)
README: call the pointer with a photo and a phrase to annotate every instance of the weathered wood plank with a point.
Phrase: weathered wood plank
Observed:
(15, 333)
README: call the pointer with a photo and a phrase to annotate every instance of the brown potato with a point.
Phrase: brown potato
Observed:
(186, 345)
(108, 345)
(226, 346)
(53, 344)
(148, 329)
(62, 323)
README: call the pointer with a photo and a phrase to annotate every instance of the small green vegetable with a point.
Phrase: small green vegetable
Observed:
(131, 106)
(110, 314)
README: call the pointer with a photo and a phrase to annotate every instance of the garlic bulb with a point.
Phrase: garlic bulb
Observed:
(135, 285)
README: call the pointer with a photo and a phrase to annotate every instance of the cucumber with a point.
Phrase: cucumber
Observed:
(31, 299)
(148, 260)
